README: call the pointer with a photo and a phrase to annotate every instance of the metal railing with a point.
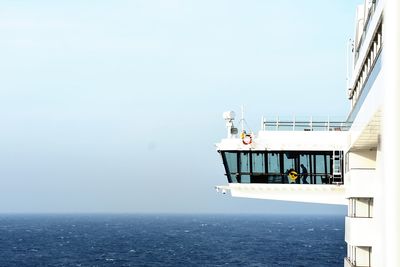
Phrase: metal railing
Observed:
(287, 125)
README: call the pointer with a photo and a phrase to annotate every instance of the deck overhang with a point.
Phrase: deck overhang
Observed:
(322, 194)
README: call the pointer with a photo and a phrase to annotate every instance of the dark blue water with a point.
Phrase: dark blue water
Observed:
(171, 240)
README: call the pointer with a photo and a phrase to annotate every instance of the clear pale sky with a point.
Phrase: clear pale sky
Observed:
(115, 106)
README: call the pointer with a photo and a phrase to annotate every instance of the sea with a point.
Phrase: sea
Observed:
(171, 240)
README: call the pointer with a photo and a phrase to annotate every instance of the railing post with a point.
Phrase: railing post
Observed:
(294, 122)
(328, 125)
(277, 123)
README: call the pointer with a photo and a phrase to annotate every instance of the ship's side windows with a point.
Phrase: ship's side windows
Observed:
(245, 167)
(312, 167)
(274, 163)
(360, 207)
(274, 168)
(290, 160)
(305, 170)
(231, 166)
(231, 158)
(258, 163)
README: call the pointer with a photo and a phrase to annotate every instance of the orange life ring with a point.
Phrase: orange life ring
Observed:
(247, 139)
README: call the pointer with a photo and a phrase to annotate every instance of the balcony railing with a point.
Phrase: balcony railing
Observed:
(293, 125)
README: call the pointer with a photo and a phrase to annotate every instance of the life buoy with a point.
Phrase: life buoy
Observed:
(246, 139)
(293, 175)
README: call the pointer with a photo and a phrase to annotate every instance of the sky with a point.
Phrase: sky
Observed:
(116, 106)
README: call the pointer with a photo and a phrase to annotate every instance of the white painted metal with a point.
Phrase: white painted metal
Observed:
(356, 231)
(324, 194)
(360, 183)
(391, 133)
(290, 140)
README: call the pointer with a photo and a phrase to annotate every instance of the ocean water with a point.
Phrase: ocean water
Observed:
(171, 240)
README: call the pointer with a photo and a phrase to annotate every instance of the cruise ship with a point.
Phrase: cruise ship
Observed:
(351, 162)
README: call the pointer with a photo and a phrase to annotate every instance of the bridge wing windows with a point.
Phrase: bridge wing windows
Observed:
(289, 164)
(312, 167)
(230, 160)
(258, 162)
(245, 167)
(274, 168)
(258, 171)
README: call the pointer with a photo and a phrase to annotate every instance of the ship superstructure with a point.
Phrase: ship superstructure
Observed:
(337, 162)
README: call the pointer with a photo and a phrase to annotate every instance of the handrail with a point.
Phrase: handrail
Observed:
(306, 125)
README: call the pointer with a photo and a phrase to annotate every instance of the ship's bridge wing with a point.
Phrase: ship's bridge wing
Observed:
(304, 166)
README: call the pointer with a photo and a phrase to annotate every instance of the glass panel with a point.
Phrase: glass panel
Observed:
(231, 159)
(328, 164)
(289, 166)
(244, 162)
(258, 162)
(312, 167)
(320, 171)
(288, 161)
(274, 169)
(305, 169)
(273, 163)
(245, 179)
(337, 159)
(234, 178)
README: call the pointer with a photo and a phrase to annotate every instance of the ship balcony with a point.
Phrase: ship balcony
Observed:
(287, 160)
(356, 229)
(301, 176)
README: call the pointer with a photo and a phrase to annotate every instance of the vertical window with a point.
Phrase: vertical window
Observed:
(231, 159)
(274, 163)
(274, 168)
(305, 170)
(313, 167)
(258, 163)
(320, 171)
(288, 161)
(231, 166)
(245, 162)
(245, 167)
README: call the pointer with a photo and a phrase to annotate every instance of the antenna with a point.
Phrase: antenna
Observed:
(242, 120)
(229, 117)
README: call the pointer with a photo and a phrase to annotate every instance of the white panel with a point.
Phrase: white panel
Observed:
(359, 231)
(362, 159)
(324, 194)
(291, 140)
(360, 183)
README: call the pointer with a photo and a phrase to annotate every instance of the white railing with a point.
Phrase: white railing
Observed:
(303, 125)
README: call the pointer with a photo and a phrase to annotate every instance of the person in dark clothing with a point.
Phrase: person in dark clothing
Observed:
(304, 174)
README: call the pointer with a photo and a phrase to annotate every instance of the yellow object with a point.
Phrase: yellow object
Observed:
(293, 175)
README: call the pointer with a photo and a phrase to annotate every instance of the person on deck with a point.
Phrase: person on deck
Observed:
(304, 174)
